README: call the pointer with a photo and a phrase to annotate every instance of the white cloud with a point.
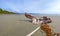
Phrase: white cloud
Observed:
(35, 6)
(14, 7)
(54, 8)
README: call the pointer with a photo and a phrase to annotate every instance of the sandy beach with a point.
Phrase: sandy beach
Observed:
(19, 25)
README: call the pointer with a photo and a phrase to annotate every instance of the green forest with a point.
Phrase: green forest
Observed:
(5, 12)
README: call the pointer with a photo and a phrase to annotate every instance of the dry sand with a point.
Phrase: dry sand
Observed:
(19, 25)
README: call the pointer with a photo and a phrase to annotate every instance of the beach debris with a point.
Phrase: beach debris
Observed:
(43, 22)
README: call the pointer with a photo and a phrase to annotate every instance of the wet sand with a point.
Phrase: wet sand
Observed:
(19, 25)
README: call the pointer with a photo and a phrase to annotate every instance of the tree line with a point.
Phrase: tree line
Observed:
(5, 12)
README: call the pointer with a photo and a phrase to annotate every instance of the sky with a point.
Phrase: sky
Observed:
(31, 6)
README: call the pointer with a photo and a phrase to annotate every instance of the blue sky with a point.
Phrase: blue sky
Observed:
(32, 6)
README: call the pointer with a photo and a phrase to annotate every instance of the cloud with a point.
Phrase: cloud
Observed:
(32, 6)
(54, 8)
(13, 7)
(10, 5)
(44, 7)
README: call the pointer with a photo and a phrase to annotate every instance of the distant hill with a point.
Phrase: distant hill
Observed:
(5, 12)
